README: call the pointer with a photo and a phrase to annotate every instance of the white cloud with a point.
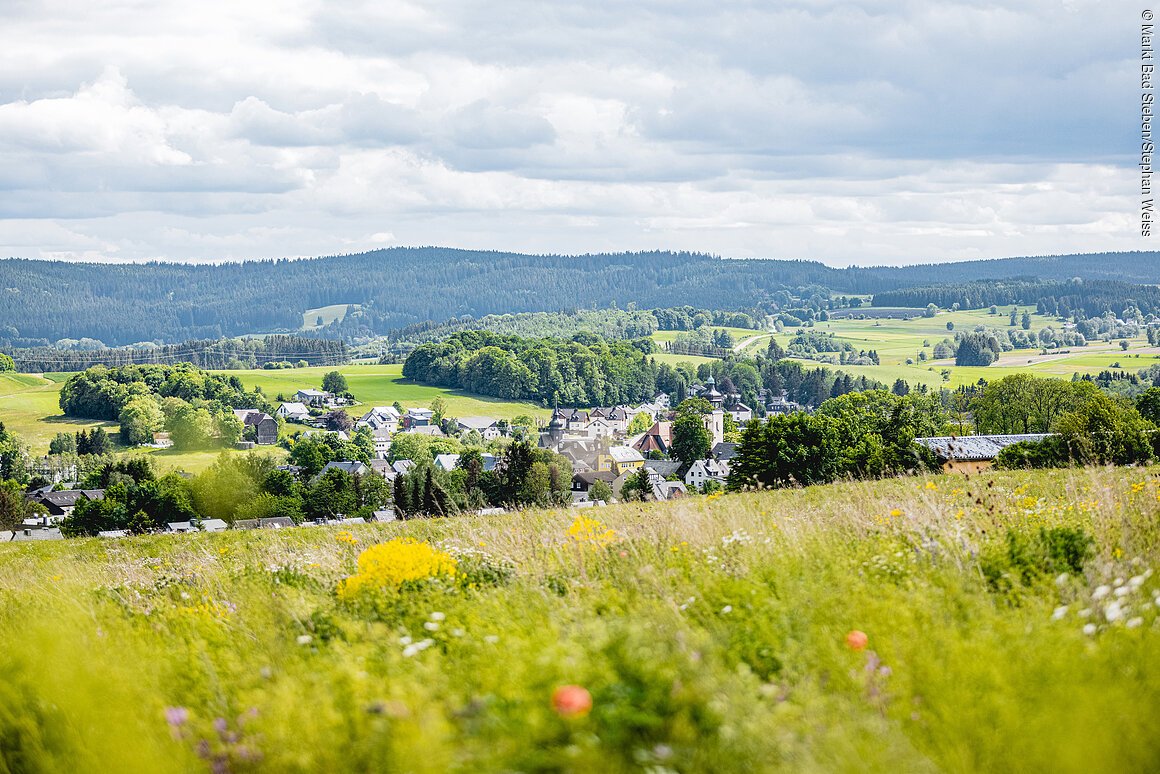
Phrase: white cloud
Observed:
(875, 131)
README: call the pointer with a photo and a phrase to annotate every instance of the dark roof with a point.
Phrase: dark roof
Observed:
(591, 477)
(663, 467)
(67, 498)
(974, 447)
(724, 451)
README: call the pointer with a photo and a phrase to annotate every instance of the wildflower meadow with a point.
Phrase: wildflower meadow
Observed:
(1002, 622)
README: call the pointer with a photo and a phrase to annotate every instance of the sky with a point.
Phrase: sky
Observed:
(847, 132)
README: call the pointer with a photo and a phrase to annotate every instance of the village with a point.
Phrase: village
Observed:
(608, 449)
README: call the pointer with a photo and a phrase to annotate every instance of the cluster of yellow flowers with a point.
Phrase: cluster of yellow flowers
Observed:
(346, 537)
(590, 532)
(388, 565)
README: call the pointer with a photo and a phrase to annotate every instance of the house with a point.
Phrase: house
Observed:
(663, 468)
(431, 430)
(703, 471)
(113, 533)
(657, 438)
(383, 468)
(386, 516)
(599, 427)
(582, 482)
(380, 417)
(205, 525)
(402, 467)
(724, 451)
(60, 505)
(615, 417)
(381, 437)
(625, 459)
(259, 424)
(450, 461)
(574, 419)
(658, 487)
(29, 534)
(162, 441)
(485, 426)
(741, 413)
(293, 412)
(417, 417)
(315, 398)
(273, 522)
(355, 468)
(972, 453)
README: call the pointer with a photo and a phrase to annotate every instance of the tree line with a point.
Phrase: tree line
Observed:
(275, 351)
(43, 302)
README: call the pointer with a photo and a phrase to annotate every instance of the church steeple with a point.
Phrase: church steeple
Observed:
(557, 425)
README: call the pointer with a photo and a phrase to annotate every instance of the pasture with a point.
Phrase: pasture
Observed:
(1005, 622)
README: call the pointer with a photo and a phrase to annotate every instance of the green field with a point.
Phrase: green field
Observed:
(28, 404)
(909, 625)
(899, 340)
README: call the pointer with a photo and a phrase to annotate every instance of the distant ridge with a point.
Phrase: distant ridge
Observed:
(45, 301)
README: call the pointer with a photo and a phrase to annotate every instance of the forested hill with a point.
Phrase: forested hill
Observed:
(42, 302)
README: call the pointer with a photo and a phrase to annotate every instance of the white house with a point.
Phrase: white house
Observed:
(741, 413)
(599, 428)
(313, 397)
(702, 471)
(294, 412)
(485, 426)
(382, 439)
(380, 417)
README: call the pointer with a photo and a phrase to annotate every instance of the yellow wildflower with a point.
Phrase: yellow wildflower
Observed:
(346, 537)
(591, 532)
(390, 564)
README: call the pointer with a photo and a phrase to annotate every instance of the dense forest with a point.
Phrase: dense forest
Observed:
(101, 393)
(589, 371)
(276, 351)
(1088, 298)
(613, 323)
(43, 302)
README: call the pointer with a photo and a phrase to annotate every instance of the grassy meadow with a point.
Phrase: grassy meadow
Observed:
(1005, 622)
(28, 404)
(896, 341)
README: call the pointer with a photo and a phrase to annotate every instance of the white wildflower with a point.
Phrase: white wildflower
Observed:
(1060, 612)
(1136, 581)
(1085, 613)
(1123, 591)
(727, 609)
(1101, 592)
(1134, 622)
(431, 626)
(1089, 629)
(1062, 579)
(304, 639)
(491, 639)
(1113, 612)
(437, 616)
(405, 640)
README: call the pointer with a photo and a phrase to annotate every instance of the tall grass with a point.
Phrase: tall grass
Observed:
(711, 634)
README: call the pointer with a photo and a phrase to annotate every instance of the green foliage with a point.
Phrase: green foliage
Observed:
(1025, 557)
(334, 381)
(101, 393)
(6, 363)
(600, 491)
(691, 441)
(976, 349)
(863, 435)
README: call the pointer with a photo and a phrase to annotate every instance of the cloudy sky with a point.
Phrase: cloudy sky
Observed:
(850, 132)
